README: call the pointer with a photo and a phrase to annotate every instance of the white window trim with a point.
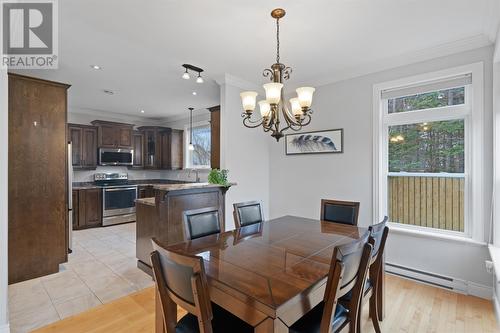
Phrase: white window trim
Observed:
(474, 122)
(186, 145)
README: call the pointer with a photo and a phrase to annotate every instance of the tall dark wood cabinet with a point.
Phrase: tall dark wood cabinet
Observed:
(113, 135)
(38, 205)
(84, 146)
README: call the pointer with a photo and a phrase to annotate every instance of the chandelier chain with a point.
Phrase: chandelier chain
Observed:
(277, 41)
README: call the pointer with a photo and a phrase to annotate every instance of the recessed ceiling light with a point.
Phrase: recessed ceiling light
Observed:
(194, 93)
(108, 92)
(142, 111)
(96, 67)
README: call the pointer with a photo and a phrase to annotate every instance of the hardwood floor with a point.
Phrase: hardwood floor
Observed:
(411, 307)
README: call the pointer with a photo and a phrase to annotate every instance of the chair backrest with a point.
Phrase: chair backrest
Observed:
(246, 213)
(181, 280)
(345, 212)
(348, 272)
(201, 222)
(378, 236)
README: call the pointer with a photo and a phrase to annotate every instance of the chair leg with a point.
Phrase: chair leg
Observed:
(374, 313)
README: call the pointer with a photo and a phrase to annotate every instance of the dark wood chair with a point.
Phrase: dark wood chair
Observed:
(201, 222)
(345, 212)
(181, 280)
(372, 292)
(247, 213)
(348, 272)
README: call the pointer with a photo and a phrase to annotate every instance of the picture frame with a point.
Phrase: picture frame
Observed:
(315, 142)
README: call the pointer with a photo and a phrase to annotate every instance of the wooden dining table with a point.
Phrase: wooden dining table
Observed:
(268, 274)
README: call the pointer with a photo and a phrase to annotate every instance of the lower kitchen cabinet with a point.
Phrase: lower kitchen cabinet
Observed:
(87, 208)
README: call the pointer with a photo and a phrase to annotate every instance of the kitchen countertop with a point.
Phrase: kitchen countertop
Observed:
(146, 201)
(185, 186)
(141, 182)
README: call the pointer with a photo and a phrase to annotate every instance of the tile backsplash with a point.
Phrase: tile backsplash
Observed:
(88, 175)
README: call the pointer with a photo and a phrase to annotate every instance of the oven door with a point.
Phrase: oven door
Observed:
(119, 200)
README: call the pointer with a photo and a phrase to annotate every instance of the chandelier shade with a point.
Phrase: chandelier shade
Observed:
(278, 116)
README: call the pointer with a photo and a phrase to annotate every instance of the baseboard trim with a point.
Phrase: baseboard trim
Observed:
(5, 329)
(441, 281)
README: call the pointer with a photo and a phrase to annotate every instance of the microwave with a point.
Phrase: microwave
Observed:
(112, 156)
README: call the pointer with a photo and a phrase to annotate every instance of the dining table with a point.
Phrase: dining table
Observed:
(269, 274)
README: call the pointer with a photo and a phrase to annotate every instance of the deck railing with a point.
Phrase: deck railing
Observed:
(427, 200)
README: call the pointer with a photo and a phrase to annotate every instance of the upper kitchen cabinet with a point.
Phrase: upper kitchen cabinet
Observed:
(138, 147)
(113, 135)
(162, 147)
(38, 202)
(172, 152)
(83, 140)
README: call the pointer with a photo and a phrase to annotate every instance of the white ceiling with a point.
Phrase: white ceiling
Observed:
(142, 44)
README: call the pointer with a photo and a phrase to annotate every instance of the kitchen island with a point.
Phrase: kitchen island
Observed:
(161, 216)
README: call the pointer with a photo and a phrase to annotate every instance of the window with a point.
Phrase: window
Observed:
(200, 156)
(428, 136)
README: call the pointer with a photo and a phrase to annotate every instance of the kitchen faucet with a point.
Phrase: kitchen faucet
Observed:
(197, 172)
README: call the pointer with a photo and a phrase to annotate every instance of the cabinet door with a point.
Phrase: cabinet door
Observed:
(176, 150)
(109, 136)
(138, 146)
(150, 156)
(89, 148)
(125, 137)
(75, 137)
(75, 209)
(166, 156)
(93, 206)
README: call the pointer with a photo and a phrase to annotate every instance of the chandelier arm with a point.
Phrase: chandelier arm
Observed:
(252, 124)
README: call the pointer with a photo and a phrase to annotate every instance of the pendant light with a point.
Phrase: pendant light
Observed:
(191, 146)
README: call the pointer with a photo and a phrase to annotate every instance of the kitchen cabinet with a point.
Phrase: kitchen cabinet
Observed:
(215, 137)
(172, 149)
(113, 135)
(37, 177)
(138, 147)
(87, 208)
(83, 140)
(163, 148)
(146, 191)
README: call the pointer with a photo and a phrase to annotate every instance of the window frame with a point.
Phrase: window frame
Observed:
(187, 134)
(472, 113)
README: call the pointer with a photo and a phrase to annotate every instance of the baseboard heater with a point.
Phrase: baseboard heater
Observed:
(428, 278)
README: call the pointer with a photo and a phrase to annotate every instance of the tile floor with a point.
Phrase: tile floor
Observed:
(101, 268)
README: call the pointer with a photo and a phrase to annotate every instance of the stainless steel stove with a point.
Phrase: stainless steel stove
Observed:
(118, 198)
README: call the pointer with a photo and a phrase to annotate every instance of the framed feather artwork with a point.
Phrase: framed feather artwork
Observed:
(317, 142)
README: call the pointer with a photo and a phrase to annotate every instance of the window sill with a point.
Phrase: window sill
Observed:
(434, 235)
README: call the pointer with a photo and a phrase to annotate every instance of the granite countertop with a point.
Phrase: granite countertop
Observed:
(185, 186)
(146, 201)
(141, 182)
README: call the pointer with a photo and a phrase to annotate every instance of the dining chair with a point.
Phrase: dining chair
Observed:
(345, 212)
(201, 222)
(246, 213)
(348, 271)
(181, 280)
(371, 292)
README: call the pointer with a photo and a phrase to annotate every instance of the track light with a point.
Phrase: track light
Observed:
(188, 68)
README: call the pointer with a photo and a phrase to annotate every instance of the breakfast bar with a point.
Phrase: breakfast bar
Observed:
(160, 216)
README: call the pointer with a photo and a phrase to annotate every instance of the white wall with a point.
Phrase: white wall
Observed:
(4, 132)
(244, 151)
(297, 183)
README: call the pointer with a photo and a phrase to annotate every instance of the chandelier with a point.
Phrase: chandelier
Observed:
(273, 107)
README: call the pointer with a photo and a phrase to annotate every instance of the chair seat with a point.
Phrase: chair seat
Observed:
(222, 322)
(311, 322)
(347, 297)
